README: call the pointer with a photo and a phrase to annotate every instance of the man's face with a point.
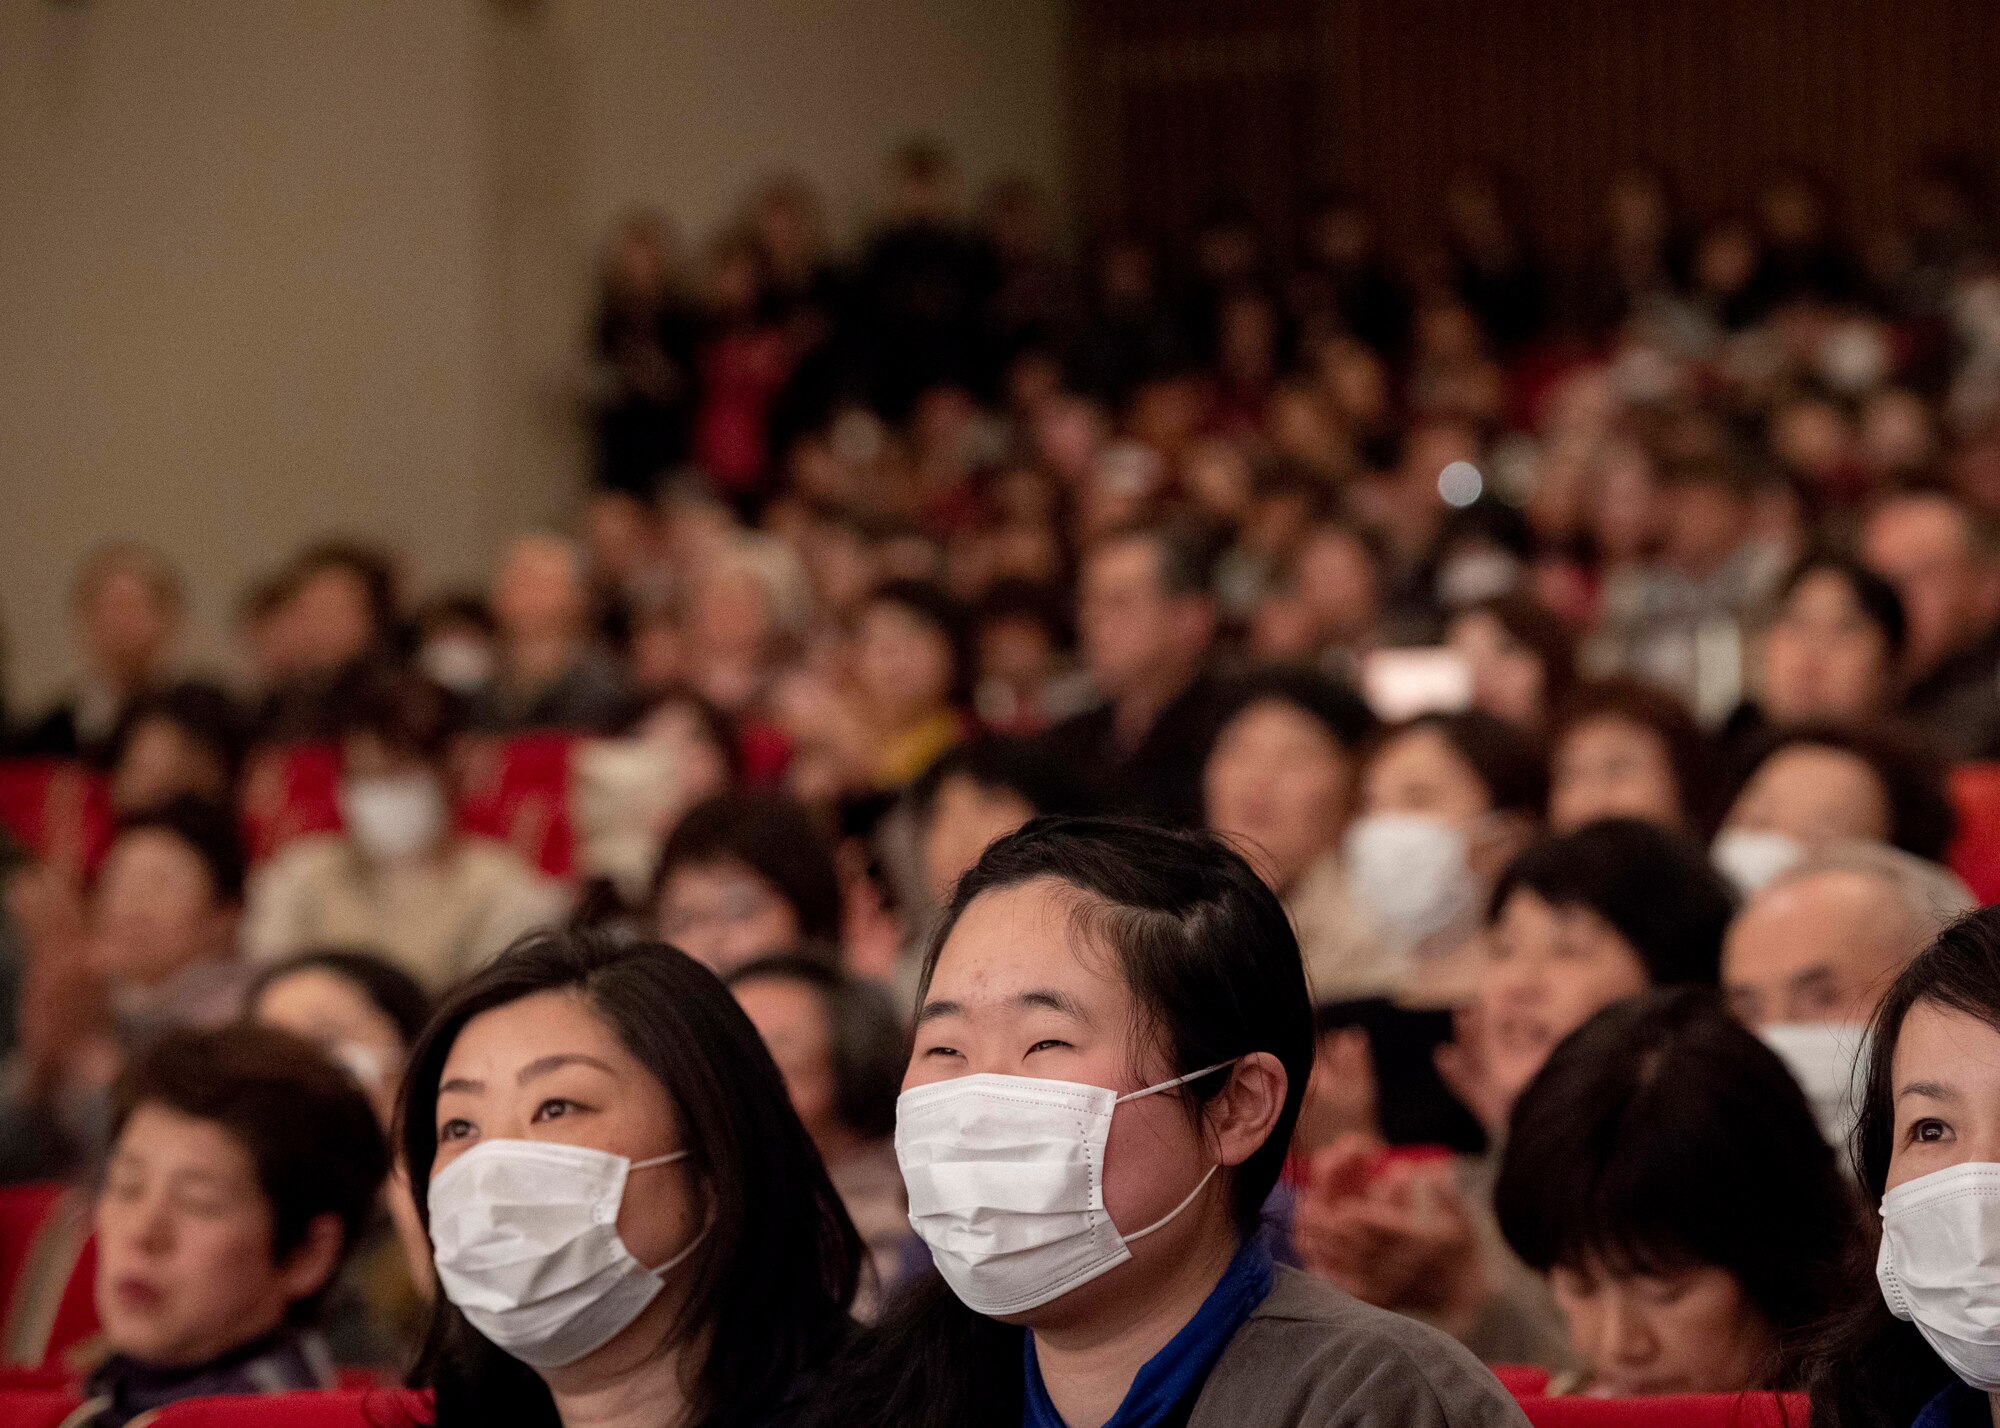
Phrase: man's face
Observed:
(1922, 547)
(1130, 626)
(1819, 949)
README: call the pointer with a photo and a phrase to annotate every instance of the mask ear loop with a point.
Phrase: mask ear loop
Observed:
(1201, 1184)
(707, 1224)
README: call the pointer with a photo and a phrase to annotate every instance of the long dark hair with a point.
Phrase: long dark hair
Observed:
(1211, 960)
(1871, 1369)
(1662, 1134)
(769, 1285)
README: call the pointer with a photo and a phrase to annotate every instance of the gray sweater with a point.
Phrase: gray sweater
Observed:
(1311, 1356)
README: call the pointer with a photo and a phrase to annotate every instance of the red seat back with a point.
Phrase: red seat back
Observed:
(518, 792)
(1975, 853)
(370, 1408)
(1522, 1380)
(1719, 1410)
(60, 811)
(48, 1265)
(288, 792)
(36, 1408)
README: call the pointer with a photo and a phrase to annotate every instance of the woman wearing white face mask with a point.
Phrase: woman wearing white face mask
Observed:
(399, 876)
(1446, 801)
(1921, 1344)
(630, 1224)
(1112, 1045)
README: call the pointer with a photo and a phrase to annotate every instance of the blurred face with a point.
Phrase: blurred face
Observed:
(903, 663)
(1548, 970)
(1816, 795)
(1817, 949)
(1017, 991)
(1923, 547)
(724, 915)
(332, 621)
(326, 1008)
(184, 1265)
(1279, 781)
(161, 761)
(1611, 767)
(1508, 680)
(965, 817)
(540, 591)
(1824, 658)
(1420, 772)
(1016, 651)
(126, 626)
(547, 1068)
(1336, 580)
(1131, 629)
(1946, 1081)
(701, 766)
(1692, 1331)
(792, 1020)
(155, 911)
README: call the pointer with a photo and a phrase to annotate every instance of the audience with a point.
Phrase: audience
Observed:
(1622, 749)
(1834, 653)
(546, 674)
(242, 1168)
(1666, 1174)
(188, 739)
(744, 876)
(627, 1215)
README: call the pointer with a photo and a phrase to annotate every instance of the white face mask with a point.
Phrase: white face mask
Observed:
(1750, 859)
(463, 666)
(525, 1235)
(1413, 870)
(1006, 1182)
(1939, 1266)
(394, 816)
(1825, 1059)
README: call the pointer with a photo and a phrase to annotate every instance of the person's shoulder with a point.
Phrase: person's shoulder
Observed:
(309, 855)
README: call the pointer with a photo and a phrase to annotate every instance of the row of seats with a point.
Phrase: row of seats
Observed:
(398, 1408)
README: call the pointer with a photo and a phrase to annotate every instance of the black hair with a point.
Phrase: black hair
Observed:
(1653, 709)
(1663, 1135)
(1414, 1105)
(1656, 889)
(1015, 598)
(207, 829)
(1215, 971)
(389, 989)
(1921, 817)
(1508, 763)
(1871, 1369)
(306, 1126)
(1879, 602)
(1188, 552)
(866, 1042)
(767, 1288)
(776, 838)
(715, 724)
(945, 616)
(406, 712)
(1330, 702)
(1528, 622)
(1026, 768)
(204, 713)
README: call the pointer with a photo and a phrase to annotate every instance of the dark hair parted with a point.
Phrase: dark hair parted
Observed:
(1869, 1368)
(1656, 889)
(776, 839)
(304, 1123)
(865, 1037)
(388, 988)
(206, 830)
(767, 1289)
(1509, 765)
(204, 714)
(1661, 1136)
(1331, 703)
(405, 712)
(1631, 701)
(1215, 973)
(1877, 598)
(1912, 777)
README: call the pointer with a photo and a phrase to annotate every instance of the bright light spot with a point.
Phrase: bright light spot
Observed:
(1460, 484)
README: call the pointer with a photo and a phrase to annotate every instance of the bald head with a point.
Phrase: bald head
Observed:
(1822, 943)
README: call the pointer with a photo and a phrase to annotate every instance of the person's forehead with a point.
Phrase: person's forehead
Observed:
(1945, 1044)
(783, 1004)
(1839, 918)
(169, 1140)
(497, 1041)
(1019, 939)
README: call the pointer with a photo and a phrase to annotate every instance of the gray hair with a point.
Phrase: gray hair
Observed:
(1931, 897)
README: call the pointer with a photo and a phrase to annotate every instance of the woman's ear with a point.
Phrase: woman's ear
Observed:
(1243, 1115)
(313, 1261)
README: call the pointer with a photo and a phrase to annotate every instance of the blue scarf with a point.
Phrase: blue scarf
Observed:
(1169, 1382)
(1957, 1407)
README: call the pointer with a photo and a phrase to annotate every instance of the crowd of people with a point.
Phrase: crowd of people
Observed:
(1217, 836)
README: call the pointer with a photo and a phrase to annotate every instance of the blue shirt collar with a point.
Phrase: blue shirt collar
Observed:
(1172, 1378)
(1959, 1406)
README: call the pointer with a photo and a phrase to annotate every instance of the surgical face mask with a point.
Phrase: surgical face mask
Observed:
(525, 1236)
(1939, 1266)
(463, 666)
(1750, 859)
(394, 816)
(1825, 1059)
(1413, 870)
(1006, 1183)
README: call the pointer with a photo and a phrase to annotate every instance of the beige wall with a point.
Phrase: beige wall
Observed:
(274, 268)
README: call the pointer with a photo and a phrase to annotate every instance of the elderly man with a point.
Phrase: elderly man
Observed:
(552, 675)
(1807, 960)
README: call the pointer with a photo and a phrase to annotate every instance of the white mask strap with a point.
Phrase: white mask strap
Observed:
(1177, 1081)
(668, 1159)
(1200, 1185)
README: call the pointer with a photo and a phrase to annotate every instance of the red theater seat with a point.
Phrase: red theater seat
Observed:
(518, 792)
(29, 1408)
(288, 792)
(47, 1264)
(374, 1408)
(1721, 1410)
(1975, 853)
(61, 812)
(1522, 1380)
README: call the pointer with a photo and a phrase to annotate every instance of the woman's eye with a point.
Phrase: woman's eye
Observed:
(1929, 1132)
(454, 1129)
(1049, 1045)
(941, 1051)
(554, 1108)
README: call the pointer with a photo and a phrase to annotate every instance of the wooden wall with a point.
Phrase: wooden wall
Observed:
(1180, 102)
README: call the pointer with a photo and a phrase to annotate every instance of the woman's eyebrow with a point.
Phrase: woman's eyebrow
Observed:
(560, 1059)
(1929, 1090)
(1054, 1000)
